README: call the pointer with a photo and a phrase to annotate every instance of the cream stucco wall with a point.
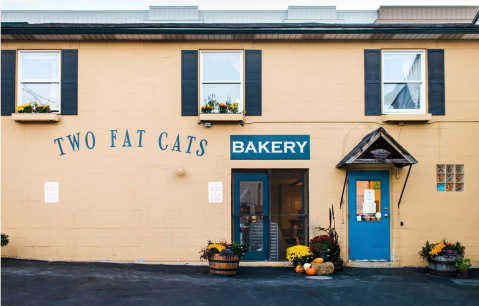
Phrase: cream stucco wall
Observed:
(125, 203)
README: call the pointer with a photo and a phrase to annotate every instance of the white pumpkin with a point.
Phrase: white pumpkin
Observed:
(306, 265)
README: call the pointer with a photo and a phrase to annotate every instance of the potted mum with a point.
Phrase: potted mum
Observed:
(322, 246)
(299, 255)
(464, 265)
(223, 257)
(442, 256)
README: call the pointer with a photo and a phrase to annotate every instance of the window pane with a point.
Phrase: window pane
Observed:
(251, 209)
(222, 93)
(402, 67)
(286, 207)
(368, 200)
(40, 66)
(402, 96)
(221, 67)
(42, 94)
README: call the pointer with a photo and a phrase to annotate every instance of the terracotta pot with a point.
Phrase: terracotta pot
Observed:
(466, 274)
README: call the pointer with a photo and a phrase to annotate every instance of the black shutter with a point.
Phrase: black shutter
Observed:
(189, 82)
(8, 82)
(69, 88)
(253, 82)
(372, 82)
(436, 88)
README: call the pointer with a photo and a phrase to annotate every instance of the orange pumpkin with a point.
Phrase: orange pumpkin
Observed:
(318, 260)
(311, 271)
(299, 269)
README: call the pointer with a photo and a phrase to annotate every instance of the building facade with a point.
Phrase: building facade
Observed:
(174, 126)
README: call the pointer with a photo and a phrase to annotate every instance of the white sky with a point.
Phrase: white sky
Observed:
(218, 4)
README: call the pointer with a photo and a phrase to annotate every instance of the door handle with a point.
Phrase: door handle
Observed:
(386, 215)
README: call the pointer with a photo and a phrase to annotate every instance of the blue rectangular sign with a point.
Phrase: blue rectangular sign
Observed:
(269, 147)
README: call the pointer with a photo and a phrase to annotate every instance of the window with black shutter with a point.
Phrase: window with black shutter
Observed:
(225, 87)
(395, 82)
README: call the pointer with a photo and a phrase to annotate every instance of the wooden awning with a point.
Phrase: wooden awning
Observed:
(378, 139)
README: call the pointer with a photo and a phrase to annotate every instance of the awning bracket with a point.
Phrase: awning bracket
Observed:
(344, 187)
(404, 187)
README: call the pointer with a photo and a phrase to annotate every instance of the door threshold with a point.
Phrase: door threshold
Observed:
(265, 264)
(372, 264)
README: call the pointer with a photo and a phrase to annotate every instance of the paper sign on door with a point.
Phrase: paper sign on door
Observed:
(369, 208)
(369, 195)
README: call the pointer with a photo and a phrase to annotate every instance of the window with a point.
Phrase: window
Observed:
(221, 74)
(39, 78)
(450, 178)
(403, 82)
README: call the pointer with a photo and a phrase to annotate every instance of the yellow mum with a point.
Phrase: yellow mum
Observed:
(219, 247)
(437, 249)
(298, 252)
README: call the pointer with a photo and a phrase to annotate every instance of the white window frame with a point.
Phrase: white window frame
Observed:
(241, 81)
(39, 81)
(422, 110)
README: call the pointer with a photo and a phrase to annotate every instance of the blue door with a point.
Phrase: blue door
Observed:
(369, 215)
(251, 213)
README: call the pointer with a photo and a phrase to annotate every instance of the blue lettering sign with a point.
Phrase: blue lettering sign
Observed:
(269, 147)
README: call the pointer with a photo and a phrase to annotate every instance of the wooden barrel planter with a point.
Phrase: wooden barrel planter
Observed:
(219, 265)
(442, 266)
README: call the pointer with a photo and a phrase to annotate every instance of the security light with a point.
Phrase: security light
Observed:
(207, 124)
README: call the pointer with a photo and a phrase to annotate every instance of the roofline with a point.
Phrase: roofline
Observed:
(290, 28)
(75, 11)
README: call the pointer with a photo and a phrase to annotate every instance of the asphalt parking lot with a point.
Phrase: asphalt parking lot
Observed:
(26, 282)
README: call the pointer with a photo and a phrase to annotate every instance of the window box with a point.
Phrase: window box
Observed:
(36, 117)
(407, 117)
(221, 117)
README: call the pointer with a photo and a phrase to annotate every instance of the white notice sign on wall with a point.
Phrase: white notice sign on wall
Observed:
(215, 191)
(51, 192)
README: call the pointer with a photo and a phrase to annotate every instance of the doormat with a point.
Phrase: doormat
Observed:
(467, 282)
(319, 277)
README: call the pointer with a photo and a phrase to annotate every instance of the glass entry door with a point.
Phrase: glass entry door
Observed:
(270, 211)
(251, 213)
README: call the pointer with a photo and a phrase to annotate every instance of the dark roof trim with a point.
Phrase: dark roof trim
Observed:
(303, 28)
(476, 19)
(369, 140)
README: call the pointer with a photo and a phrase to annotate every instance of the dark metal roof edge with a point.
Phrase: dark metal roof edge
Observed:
(475, 19)
(223, 31)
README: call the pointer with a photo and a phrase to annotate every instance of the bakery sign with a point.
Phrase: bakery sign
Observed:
(269, 147)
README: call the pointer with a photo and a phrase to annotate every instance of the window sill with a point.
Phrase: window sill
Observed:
(406, 117)
(221, 117)
(36, 117)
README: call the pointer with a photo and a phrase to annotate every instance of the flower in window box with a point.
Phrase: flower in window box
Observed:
(223, 108)
(25, 108)
(42, 109)
(212, 100)
(206, 109)
(234, 107)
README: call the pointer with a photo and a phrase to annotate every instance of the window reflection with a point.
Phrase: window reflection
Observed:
(251, 211)
(287, 222)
